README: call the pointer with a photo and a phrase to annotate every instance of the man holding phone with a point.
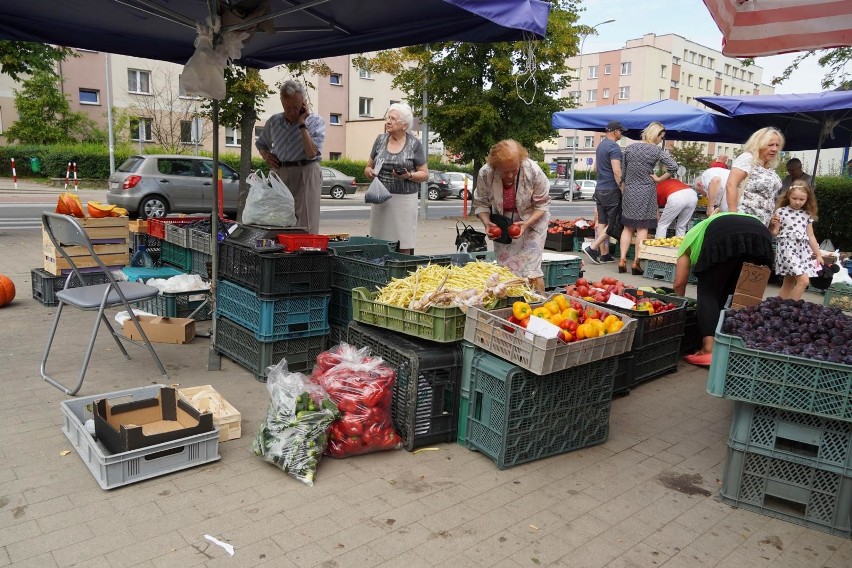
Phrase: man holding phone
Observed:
(291, 144)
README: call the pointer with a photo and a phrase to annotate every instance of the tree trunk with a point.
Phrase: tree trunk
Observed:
(247, 137)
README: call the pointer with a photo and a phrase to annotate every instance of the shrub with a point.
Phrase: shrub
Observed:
(834, 197)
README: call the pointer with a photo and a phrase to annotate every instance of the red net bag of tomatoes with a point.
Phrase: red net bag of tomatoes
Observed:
(362, 388)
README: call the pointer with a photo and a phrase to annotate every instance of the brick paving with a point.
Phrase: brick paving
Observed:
(646, 497)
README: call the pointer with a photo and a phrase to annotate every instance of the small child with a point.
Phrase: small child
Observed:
(797, 257)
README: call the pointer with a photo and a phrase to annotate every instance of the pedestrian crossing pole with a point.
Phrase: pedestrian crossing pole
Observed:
(67, 175)
(14, 174)
(75, 176)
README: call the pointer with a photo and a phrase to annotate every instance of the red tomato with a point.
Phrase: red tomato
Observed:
(495, 232)
(514, 230)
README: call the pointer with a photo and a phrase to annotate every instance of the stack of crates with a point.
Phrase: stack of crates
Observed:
(789, 452)
(272, 305)
(525, 397)
(657, 345)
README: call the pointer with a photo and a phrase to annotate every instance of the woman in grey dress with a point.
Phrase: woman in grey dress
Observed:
(639, 189)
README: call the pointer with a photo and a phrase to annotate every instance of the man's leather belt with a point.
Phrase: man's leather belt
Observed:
(298, 163)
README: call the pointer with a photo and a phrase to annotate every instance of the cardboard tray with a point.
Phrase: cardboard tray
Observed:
(131, 425)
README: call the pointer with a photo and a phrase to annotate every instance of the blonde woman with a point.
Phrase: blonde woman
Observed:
(639, 199)
(756, 166)
(512, 185)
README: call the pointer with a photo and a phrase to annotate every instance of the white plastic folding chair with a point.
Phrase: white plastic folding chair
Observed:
(65, 230)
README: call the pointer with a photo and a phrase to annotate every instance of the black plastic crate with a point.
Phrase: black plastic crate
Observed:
(340, 307)
(45, 285)
(337, 335)
(195, 304)
(657, 327)
(272, 275)
(241, 346)
(624, 372)
(373, 266)
(428, 381)
(692, 339)
(516, 416)
(655, 360)
(153, 244)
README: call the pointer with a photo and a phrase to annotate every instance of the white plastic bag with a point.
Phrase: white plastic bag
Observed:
(204, 73)
(269, 202)
(377, 192)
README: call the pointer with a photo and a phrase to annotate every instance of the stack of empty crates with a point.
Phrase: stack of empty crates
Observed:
(790, 445)
(110, 237)
(271, 306)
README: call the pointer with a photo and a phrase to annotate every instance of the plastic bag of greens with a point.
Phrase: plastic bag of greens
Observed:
(295, 432)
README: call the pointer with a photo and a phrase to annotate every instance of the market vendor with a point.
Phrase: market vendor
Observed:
(715, 250)
(514, 187)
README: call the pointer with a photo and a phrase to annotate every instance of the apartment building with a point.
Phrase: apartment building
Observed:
(652, 68)
(149, 106)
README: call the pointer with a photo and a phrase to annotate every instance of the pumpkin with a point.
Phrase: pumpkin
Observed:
(97, 209)
(69, 204)
(118, 212)
(7, 290)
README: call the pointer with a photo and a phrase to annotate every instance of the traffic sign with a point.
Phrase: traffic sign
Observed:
(590, 161)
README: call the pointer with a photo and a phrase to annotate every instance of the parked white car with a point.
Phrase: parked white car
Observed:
(457, 184)
(586, 187)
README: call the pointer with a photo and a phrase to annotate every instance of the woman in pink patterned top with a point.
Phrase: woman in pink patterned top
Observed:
(512, 185)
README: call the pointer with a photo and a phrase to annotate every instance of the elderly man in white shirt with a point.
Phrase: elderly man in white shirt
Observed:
(712, 181)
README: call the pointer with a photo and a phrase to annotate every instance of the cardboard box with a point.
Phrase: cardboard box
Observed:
(750, 286)
(161, 329)
(123, 426)
(206, 399)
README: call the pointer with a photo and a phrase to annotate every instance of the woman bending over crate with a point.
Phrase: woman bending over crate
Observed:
(716, 249)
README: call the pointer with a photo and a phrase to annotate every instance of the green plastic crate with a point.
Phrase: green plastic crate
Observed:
(515, 416)
(560, 272)
(176, 256)
(782, 381)
(436, 324)
(356, 241)
(839, 296)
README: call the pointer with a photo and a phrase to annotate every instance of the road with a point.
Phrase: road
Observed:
(23, 211)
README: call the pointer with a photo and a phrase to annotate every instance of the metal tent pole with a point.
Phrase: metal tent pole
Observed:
(214, 360)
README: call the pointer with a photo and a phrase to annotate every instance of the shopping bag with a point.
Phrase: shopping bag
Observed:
(469, 239)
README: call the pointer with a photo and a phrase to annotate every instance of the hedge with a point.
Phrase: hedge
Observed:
(834, 199)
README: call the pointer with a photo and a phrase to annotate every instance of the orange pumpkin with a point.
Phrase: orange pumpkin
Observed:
(118, 212)
(71, 204)
(98, 209)
(7, 290)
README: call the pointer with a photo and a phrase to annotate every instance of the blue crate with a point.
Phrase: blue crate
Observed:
(271, 320)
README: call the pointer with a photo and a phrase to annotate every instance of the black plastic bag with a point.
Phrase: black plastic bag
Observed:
(470, 240)
(503, 222)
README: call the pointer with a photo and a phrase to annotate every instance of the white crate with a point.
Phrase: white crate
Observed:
(114, 470)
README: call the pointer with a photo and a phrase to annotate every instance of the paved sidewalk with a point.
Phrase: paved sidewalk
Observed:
(645, 498)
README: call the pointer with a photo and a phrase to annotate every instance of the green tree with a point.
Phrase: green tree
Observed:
(691, 156)
(19, 58)
(45, 116)
(834, 61)
(479, 94)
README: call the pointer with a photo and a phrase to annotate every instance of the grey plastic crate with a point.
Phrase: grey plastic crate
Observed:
(794, 436)
(177, 234)
(114, 470)
(797, 493)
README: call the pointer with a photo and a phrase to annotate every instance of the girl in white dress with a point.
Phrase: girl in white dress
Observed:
(797, 257)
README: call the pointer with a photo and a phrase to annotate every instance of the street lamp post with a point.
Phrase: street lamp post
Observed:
(579, 98)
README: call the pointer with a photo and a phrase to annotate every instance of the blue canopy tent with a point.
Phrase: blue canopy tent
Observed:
(282, 31)
(682, 121)
(809, 121)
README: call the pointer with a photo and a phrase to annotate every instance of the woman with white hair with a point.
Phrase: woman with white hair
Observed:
(753, 184)
(639, 190)
(403, 168)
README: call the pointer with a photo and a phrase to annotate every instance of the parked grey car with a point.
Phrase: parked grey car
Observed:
(457, 180)
(559, 189)
(156, 185)
(337, 184)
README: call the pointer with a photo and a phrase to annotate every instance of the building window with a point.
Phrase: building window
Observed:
(589, 142)
(232, 136)
(688, 100)
(700, 82)
(727, 69)
(607, 69)
(625, 68)
(692, 56)
(662, 94)
(750, 76)
(663, 69)
(90, 97)
(365, 73)
(674, 84)
(334, 118)
(689, 80)
(572, 141)
(143, 124)
(623, 93)
(365, 106)
(574, 96)
(606, 93)
(725, 90)
(186, 132)
(701, 60)
(592, 96)
(686, 55)
(710, 62)
(675, 60)
(139, 81)
(593, 71)
(257, 131)
(334, 155)
(335, 79)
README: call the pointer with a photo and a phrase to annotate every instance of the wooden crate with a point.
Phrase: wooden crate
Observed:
(59, 266)
(106, 228)
(138, 226)
(663, 254)
(225, 416)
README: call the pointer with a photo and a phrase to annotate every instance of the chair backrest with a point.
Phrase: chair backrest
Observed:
(66, 230)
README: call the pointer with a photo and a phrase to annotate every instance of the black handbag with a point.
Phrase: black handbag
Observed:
(503, 222)
(469, 239)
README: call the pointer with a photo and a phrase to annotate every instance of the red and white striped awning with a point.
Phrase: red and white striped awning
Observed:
(768, 27)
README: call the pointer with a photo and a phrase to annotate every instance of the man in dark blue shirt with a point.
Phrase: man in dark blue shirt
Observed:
(607, 191)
